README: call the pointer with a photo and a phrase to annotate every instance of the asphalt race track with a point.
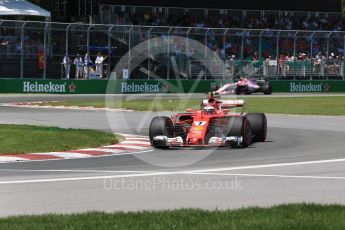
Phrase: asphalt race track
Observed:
(303, 160)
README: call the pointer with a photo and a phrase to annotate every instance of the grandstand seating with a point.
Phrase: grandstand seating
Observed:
(221, 18)
(253, 39)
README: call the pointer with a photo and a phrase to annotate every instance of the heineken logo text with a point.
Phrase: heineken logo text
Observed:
(49, 87)
(139, 88)
(305, 87)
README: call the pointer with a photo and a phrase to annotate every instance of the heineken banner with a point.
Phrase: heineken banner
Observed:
(151, 86)
(308, 86)
(103, 86)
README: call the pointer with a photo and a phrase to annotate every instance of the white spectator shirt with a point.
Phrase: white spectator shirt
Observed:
(99, 60)
(87, 60)
(78, 62)
(66, 60)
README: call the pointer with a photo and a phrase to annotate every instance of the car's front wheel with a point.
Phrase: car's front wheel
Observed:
(160, 126)
(241, 127)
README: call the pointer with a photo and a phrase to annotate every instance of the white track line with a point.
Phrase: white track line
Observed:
(70, 170)
(6, 159)
(101, 149)
(271, 175)
(138, 139)
(66, 155)
(24, 160)
(130, 135)
(123, 146)
(169, 173)
(85, 178)
(136, 142)
(269, 165)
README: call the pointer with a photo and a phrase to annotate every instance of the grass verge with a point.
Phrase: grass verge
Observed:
(293, 216)
(325, 105)
(15, 139)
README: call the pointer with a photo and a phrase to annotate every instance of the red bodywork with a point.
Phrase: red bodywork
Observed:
(196, 123)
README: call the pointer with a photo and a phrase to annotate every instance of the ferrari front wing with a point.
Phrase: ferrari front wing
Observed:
(213, 141)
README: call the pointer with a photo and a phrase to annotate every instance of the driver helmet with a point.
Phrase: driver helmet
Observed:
(209, 110)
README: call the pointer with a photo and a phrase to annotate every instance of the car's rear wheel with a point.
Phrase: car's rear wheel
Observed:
(160, 126)
(241, 127)
(267, 90)
(258, 122)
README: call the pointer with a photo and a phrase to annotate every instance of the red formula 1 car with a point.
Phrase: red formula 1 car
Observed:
(213, 125)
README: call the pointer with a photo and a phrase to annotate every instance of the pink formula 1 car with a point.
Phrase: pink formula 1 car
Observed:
(245, 86)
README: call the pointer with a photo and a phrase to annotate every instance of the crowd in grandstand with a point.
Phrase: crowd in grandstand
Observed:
(231, 46)
(231, 21)
(11, 45)
(242, 46)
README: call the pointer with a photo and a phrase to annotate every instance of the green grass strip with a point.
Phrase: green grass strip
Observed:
(15, 139)
(293, 216)
(326, 105)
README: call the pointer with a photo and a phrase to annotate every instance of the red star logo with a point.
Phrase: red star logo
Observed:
(326, 87)
(72, 88)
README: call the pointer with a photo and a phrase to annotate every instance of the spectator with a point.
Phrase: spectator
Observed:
(78, 62)
(282, 65)
(5, 42)
(87, 65)
(99, 64)
(67, 65)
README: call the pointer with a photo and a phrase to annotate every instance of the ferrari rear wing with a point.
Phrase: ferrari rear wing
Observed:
(227, 103)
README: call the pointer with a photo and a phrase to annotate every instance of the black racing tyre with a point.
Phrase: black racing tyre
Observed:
(242, 90)
(210, 133)
(258, 122)
(240, 126)
(160, 126)
(237, 91)
(268, 90)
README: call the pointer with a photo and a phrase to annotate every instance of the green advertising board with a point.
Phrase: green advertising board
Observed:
(151, 86)
(308, 86)
(52, 86)
(103, 86)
